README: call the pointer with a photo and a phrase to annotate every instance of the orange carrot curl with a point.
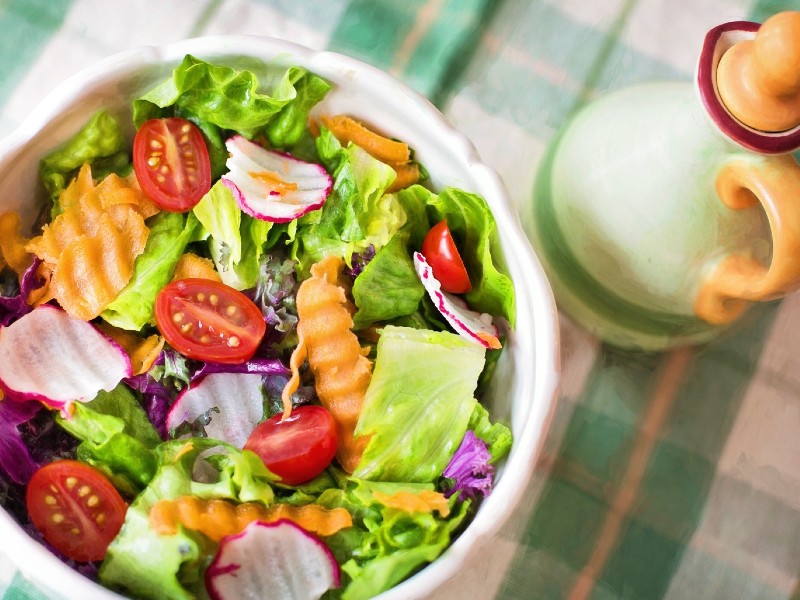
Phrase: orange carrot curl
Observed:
(92, 245)
(218, 518)
(392, 152)
(341, 371)
(424, 501)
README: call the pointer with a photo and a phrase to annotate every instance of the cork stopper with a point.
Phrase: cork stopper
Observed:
(758, 79)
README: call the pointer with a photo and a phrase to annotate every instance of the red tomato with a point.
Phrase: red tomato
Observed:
(76, 509)
(440, 251)
(171, 162)
(299, 448)
(208, 320)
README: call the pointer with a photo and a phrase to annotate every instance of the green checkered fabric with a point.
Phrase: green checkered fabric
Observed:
(665, 475)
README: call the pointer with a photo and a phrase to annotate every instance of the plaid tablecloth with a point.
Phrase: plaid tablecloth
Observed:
(669, 475)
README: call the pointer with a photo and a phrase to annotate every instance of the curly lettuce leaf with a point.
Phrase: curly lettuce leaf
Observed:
(418, 404)
(474, 228)
(149, 565)
(496, 436)
(289, 125)
(222, 96)
(169, 234)
(358, 213)
(385, 545)
(100, 143)
(116, 437)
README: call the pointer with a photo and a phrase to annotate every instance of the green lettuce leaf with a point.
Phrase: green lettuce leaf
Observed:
(290, 124)
(149, 565)
(223, 96)
(385, 545)
(475, 231)
(116, 437)
(169, 234)
(496, 436)
(100, 143)
(236, 241)
(358, 213)
(388, 287)
(418, 404)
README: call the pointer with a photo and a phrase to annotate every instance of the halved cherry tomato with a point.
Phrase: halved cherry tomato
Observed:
(171, 162)
(440, 251)
(208, 320)
(299, 448)
(77, 510)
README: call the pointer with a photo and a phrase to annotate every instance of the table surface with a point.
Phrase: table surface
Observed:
(667, 475)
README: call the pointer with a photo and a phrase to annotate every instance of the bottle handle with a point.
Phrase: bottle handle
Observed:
(738, 280)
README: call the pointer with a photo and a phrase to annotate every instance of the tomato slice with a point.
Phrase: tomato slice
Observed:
(77, 510)
(171, 162)
(299, 448)
(208, 320)
(442, 255)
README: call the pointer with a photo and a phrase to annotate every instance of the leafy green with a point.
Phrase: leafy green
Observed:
(388, 287)
(100, 143)
(290, 124)
(357, 214)
(386, 545)
(169, 234)
(236, 240)
(474, 228)
(418, 403)
(150, 565)
(117, 437)
(222, 96)
(496, 436)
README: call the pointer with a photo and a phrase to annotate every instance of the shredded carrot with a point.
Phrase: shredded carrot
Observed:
(341, 371)
(346, 130)
(296, 360)
(274, 180)
(142, 352)
(92, 245)
(423, 501)
(191, 265)
(43, 294)
(218, 518)
(12, 245)
(407, 174)
(492, 340)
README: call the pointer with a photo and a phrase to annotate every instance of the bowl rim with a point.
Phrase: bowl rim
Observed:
(540, 382)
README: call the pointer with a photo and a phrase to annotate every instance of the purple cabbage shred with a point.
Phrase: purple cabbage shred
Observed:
(14, 307)
(358, 261)
(15, 458)
(469, 469)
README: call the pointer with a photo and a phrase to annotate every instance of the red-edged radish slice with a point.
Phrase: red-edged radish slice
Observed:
(237, 396)
(279, 560)
(472, 325)
(272, 186)
(49, 356)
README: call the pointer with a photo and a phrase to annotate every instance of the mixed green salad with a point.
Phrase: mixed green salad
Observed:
(246, 351)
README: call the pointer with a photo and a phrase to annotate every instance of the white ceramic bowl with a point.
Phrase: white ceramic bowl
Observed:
(524, 386)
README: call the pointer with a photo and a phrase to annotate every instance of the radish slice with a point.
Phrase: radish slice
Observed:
(237, 397)
(49, 356)
(474, 326)
(279, 560)
(272, 186)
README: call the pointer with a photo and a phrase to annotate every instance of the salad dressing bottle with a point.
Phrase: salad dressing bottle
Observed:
(662, 211)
